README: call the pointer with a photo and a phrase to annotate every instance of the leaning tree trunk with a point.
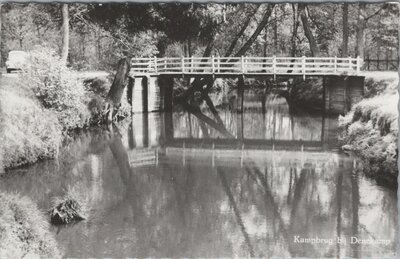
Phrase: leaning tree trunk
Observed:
(65, 31)
(198, 83)
(241, 32)
(307, 30)
(114, 96)
(258, 30)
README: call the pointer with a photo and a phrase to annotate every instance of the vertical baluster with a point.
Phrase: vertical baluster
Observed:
(183, 65)
(350, 64)
(218, 64)
(303, 62)
(191, 61)
(242, 62)
(155, 65)
(335, 65)
(212, 64)
(274, 66)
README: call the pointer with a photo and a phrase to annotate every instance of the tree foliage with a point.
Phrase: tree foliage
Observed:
(101, 34)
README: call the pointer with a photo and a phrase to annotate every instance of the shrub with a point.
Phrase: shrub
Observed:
(57, 87)
(371, 129)
(30, 132)
(24, 230)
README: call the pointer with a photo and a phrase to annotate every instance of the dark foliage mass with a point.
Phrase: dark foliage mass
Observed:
(100, 34)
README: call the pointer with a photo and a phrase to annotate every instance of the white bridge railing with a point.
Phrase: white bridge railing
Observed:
(305, 66)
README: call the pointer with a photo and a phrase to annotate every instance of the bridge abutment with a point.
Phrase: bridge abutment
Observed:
(341, 92)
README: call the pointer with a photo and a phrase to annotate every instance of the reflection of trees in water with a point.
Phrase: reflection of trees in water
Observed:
(273, 122)
(175, 210)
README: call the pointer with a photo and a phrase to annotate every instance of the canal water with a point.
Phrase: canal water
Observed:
(266, 182)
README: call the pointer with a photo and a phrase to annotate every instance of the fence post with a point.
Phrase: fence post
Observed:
(218, 64)
(274, 66)
(350, 64)
(191, 64)
(303, 62)
(335, 64)
(212, 64)
(242, 61)
(358, 65)
(155, 64)
(183, 65)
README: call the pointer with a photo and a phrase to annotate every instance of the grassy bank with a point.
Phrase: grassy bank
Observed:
(370, 129)
(43, 104)
(24, 231)
(30, 132)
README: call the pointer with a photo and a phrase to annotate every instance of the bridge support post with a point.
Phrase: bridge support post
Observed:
(166, 85)
(240, 94)
(145, 94)
(341, 92)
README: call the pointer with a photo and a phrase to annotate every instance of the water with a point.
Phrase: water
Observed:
(174, 185)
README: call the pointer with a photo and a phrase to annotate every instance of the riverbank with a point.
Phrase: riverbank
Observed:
(370, 129)
(43, 105)
(24, 231)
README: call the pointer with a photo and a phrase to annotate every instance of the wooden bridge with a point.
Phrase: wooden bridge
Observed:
(252, 66)
(342, 85)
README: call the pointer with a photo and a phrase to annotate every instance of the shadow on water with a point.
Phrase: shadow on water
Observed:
(256, 184)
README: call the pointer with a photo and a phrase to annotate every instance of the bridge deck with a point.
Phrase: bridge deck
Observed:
(251, 66)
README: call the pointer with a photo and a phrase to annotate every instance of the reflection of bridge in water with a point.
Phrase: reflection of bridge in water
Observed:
(187, 136)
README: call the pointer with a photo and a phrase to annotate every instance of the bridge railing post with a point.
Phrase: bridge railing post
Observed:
(274, 66)
(191, 64)
(155, 65)
(218, 64)
(303, 63)
(358, 65)
(350, 64)
(212, 64)
(183, 64)
(242, 63)
(335, 65)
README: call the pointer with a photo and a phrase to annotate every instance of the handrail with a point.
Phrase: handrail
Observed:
(247, 65)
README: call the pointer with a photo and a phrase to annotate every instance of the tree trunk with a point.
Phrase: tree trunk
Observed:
(198, 83)
(345, 46)
(240, 33)
(65, 31)
(114, 96)
(258, 30)
(360, 30)
(265, 41)
(1, 39)
(275, 34)
(307, 30)
(294, 32)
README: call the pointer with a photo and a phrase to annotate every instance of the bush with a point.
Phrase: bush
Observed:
(371, 130)
(30, 132)
(57, 87)
(24, 230)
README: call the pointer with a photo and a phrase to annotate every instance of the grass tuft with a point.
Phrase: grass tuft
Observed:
(24, 231)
